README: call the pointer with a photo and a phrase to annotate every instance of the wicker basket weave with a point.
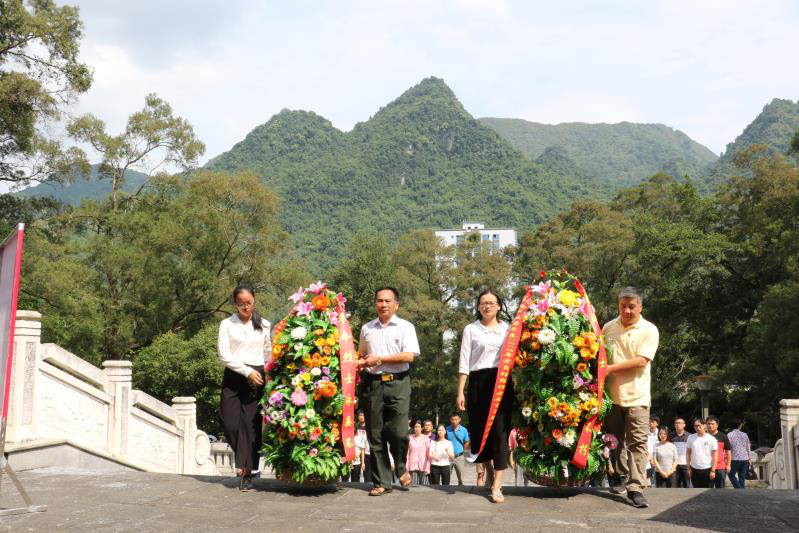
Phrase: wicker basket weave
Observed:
(312, 481)
(548, 481)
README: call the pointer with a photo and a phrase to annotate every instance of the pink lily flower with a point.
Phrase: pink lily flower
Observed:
(585, 308)
(542, 306)
(542, 288)
(304, 308)
(334, 318)
(297, 296)
(340, 298)
(317, 287)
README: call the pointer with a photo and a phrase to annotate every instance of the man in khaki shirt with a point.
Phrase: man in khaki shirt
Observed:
(632, 342)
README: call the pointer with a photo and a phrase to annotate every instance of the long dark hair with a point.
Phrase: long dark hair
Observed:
(500, 312)
(256, 317)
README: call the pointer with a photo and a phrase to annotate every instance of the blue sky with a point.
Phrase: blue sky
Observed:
(704, 67)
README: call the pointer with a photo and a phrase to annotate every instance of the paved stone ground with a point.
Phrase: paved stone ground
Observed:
(138, 501)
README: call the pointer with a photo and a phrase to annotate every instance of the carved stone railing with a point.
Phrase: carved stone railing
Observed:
(781, 466)
(58, 399)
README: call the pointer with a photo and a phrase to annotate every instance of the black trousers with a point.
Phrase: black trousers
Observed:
(700, 478)
(666, 482)
(439, 475)
(478, 402)
(241, 417)
(355, 473)
(683, 479)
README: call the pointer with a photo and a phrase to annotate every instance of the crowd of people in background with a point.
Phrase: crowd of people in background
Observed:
(677, 458)
(704, 459)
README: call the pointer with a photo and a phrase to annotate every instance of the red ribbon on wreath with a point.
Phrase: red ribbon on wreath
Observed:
(580, 459)
(348, 364)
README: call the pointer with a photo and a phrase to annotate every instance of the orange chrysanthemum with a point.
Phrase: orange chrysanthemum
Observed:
(320, 303)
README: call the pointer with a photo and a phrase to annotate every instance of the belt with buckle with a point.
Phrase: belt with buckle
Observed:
(387, 377)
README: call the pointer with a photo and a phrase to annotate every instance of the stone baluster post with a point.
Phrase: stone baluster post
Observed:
(23, 395)
(186, 408)
(789, 424)
(120, 376)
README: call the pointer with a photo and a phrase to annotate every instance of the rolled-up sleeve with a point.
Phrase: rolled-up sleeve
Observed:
(226, 355)
(466, 351)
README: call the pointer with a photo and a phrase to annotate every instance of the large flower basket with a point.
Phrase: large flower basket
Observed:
(559, 380)
(309, 395)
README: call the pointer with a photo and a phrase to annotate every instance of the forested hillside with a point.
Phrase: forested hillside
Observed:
(421, 161)
(81, 189)
(621, 154)
(775, 126)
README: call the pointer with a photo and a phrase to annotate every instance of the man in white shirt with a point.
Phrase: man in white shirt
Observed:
(651, 443)
(387, 347)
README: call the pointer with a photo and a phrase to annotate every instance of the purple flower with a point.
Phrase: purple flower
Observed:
(325, 378)
(326, 370)
(578, 381)
(611, 440)
(276, 399)
(298, 397)
(267, 420)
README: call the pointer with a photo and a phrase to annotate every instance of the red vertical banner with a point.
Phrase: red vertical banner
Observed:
(580, 458)
(10, 264)
(507, 356)
(348, 363)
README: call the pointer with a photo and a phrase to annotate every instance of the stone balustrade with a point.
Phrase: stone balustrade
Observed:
(65, 410)
(780, 468)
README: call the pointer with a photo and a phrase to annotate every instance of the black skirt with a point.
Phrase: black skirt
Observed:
(478, 402)
(241, 417)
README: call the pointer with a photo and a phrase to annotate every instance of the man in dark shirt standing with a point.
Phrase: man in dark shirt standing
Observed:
(724, 461)
(680, 439)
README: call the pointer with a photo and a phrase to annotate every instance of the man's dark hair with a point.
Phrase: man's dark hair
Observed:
(655, 418)
(712, 418)
(737, 422)
(392, 289)
(631, 292)
(679, 418)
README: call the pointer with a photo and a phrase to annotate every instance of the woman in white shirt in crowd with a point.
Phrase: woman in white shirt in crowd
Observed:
(244, 344)
(479, 362)
(441, 455)
(664, 461)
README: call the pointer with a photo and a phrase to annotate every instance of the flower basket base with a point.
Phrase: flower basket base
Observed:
(547, 481)
(309, 482)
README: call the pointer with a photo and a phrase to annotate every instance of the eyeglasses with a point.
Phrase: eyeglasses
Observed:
(489, 304)
(244, 305)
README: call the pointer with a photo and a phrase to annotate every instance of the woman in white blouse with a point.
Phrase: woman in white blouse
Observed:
(441, 453)
(244, 345)
(479, 360)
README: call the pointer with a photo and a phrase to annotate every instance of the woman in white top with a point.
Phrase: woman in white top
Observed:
(244, 344)
(441, 453)
(664, 461)
(479, 361)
